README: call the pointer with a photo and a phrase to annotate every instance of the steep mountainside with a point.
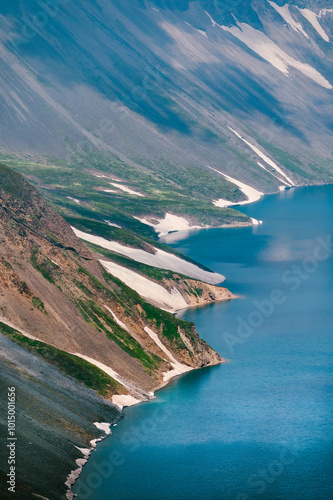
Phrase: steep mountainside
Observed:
(67, 299)
(69, 327)
(154, 92)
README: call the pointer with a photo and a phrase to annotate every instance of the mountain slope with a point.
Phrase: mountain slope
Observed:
(70, 329)
(163, 90)
(67, 299)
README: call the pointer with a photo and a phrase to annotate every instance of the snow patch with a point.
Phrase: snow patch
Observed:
(122, 400)
(251, 193)
(268, 50)
(178, 368)
(74, 199)
(286, 15)
(160, 259)
(102, 367)
(312, 17)
(102, 426)
(211, 20)
(125, 189)
(80, 462)
(112, 224)
(157, 294)
(266, 159)
(188, 45)
(8, 323)
(272, 173)
(117, 320)
(196, 29)
(168, 224)
(222, 203)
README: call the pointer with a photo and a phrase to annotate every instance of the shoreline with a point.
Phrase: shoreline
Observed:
(178, 370)
(74, 475)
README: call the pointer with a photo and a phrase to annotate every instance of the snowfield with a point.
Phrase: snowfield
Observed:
(265, 47)
(160, 259)
(312, 17)
(154, 293)
(251, 193)
(168, 224)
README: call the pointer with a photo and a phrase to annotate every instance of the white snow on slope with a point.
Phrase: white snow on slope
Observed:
(267, 160)
(196, 29)
(286, 15)
(103, 426)
(112, 224)
(120, 400)
(168, 224)
(268, 50)
(117, 320)
(161, 259)
(178, 368)
(272, 173)
(312, 17)
(157, 294)
(101, 366)
(222, 203)
(251, 193)
(74, 199)
(125, 189)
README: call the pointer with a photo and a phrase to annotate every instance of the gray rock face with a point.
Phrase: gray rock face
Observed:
(53, 415)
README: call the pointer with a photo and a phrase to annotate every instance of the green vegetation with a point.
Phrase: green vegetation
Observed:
(83, 288)
(182, 189)
(23, 288)
(164, 320)
(73, 366)
(12, 182)
(44, 265)
(118, 335)
(38, 304)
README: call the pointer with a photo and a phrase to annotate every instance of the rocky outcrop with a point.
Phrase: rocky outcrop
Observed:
(197, 292)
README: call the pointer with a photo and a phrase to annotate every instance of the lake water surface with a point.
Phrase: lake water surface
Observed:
(260, 425)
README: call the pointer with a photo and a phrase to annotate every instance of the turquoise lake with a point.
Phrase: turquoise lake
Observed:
(260, 425)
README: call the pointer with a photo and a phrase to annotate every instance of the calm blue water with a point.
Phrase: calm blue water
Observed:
(259, 426)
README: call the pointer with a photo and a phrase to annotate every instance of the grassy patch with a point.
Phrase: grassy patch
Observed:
(44, 265)
(163, 320)
(12, 182)
(38, 304)
(118, 335)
